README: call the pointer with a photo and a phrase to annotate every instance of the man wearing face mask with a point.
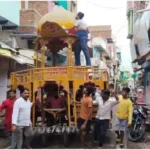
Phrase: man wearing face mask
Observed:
(82, 33)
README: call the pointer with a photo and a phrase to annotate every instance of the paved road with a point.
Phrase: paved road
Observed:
(74, 140)
(57, 141)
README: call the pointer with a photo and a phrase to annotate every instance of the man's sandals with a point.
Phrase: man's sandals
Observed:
(118, 142)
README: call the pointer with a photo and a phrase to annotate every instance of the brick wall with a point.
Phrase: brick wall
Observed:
(40, 6)
(100, 31)
(30, 14)
(29, 20)
(29, 17)
(26, 29)
(103, 34)
(22, 4)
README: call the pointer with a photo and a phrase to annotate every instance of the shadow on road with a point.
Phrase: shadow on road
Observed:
(56, 141)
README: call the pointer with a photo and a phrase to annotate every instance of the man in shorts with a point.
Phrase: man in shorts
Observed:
(84, 120)
(123, 116)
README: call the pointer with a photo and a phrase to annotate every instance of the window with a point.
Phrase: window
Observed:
(30, 44)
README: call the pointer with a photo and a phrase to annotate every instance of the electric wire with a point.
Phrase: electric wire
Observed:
(103, 6)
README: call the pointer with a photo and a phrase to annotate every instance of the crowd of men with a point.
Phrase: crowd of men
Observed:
(18, 115)
(105, 100)
(18, 118)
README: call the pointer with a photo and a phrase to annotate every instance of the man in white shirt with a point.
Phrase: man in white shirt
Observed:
(21, 123)
(81, 44)
(105, 104)
(82, 33)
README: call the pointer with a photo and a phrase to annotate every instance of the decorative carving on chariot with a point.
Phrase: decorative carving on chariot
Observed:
(51, 29)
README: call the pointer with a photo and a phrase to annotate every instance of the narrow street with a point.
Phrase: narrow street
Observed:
(58, 58)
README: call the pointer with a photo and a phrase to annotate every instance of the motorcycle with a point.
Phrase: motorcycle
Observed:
(138, 128)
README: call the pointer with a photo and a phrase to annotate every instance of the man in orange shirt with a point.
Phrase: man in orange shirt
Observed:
(84, 120)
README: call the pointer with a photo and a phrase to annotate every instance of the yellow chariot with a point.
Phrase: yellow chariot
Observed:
(53, 37)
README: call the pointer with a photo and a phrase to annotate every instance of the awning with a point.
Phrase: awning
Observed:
(7, 51)
(25, 35)
(141, 57)
(9, 54)
(21, 57)
(6, 47)
(139, 69)
(24, 60)
(4, 52)
(27, 56)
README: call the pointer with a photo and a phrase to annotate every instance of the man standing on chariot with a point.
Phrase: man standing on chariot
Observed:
(82, 33)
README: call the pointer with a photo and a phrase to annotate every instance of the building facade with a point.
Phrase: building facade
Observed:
(9, 22)
(139, 35)
(104, 49)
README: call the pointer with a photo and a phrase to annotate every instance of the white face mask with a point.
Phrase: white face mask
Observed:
(62, 94)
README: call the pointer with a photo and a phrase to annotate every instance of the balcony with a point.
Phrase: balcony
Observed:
(132, 8)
